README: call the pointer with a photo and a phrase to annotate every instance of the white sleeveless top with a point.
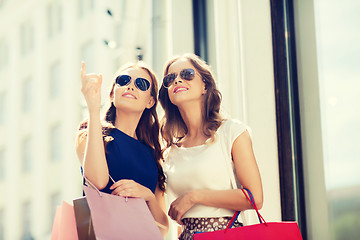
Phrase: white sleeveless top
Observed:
(203, 167)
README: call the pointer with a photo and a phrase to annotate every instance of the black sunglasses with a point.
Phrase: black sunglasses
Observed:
(141, 83)
(186, 74)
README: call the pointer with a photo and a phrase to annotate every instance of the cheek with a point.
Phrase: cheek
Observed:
(171, 97)
(117, 92)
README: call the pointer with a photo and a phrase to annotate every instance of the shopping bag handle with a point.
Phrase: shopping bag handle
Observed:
(250, 198)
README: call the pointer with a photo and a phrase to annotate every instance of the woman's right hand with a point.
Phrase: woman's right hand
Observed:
(91, 88)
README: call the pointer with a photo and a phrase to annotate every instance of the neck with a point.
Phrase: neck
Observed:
(192, 116)
(127, 122)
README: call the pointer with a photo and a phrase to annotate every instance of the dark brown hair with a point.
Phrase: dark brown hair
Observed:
(147, 130)
(173, 127)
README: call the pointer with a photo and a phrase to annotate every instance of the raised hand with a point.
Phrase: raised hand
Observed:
(91, 88)
(130, 188)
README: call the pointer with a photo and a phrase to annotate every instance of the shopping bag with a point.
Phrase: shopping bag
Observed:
(84, 224)
(264, 230)
(116, 217)
(64, 227)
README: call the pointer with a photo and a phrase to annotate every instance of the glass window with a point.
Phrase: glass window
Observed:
(54, 12)
(328, 62)
(338, 61)
(26, 37)
(55, 141)
(50, 24)
(2, 163)
(2, 3)
(55, 80)
(81, 8)
(2, 108)
(26, 221)
(55, 200)
(27, 95)
(92, 4)
(26, 154)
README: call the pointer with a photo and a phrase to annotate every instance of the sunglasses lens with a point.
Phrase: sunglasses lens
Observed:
(168, 79)
(123, 80)
(187, 74)
(142, 84)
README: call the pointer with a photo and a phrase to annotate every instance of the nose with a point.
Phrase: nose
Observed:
(177, 80)
(131, 86)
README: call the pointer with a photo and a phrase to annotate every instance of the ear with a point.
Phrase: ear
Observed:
(151, 102)
(204, 89)
(112, 96)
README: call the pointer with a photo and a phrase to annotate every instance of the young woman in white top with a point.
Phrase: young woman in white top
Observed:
(204, 150)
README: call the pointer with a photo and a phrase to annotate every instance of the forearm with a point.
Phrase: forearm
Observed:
(159, 215)
(94, 162)
(229, 199)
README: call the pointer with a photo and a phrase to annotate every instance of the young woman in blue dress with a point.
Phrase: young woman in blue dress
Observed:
(205, 151)
(121, 154)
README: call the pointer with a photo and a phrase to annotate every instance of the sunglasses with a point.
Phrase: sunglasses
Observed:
(141, 83)
(186, 74)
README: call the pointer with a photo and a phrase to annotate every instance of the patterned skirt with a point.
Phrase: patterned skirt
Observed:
(192, 225)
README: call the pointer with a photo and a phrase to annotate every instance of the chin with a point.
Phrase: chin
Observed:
(128, 106)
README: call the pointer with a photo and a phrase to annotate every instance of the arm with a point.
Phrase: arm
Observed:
(90, 149)
(158, 209)
(248, 174)
(155, 202)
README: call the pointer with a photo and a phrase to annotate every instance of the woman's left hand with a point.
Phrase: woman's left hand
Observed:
(180, 206)
(130, 188)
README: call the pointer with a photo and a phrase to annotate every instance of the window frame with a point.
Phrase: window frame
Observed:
(288, 114)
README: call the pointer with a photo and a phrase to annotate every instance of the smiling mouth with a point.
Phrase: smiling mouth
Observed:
(180, 89)
(128, 95)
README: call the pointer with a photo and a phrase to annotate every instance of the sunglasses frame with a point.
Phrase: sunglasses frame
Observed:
(136, 82)
(181, 74)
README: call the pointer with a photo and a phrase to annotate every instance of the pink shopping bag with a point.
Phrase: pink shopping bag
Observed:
(64, 227)
(120, 218)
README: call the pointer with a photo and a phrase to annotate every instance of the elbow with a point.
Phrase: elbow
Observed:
(102, 185)
(99, 182)
(259, 204)
(259, 200)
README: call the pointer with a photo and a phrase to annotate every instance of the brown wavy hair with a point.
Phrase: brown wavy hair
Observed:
(147, 130)
(173, 127)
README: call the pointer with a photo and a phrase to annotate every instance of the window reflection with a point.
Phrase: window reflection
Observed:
(339, 98)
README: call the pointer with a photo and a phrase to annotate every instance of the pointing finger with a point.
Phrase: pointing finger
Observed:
(83, 69)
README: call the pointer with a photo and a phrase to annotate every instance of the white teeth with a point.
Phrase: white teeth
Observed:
(180, 89)
(129, 96)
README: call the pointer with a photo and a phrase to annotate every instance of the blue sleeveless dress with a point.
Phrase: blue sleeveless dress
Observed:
(128, 158)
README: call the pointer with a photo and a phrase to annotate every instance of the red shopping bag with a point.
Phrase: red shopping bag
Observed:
(64, 227)
(264, 230)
